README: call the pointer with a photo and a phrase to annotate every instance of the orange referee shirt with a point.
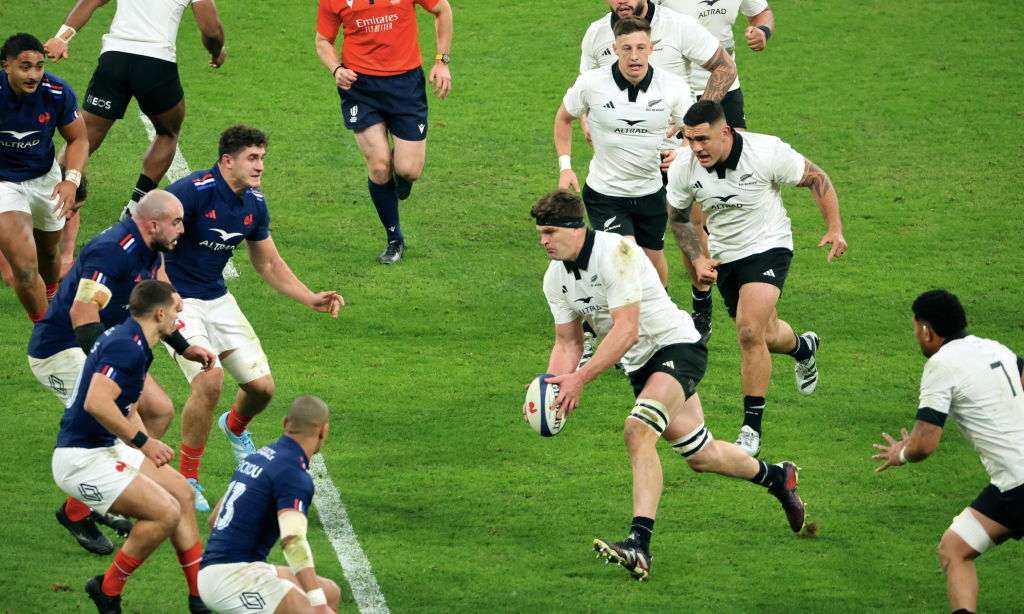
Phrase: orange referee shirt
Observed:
(380, 36)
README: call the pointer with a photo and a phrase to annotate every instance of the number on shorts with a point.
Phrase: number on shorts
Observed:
(227, 509)
(1009, 381)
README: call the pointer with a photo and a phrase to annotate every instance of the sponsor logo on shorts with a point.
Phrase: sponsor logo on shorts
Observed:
(57, 384)
(769, 273)
(422, 127)
(670, 364)
(252, 600)
(99, 103)
(89, 492)
(352, 113)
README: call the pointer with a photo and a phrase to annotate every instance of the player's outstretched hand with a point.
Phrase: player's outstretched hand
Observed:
(706, 269)
(441, 78)
(838, 242)
(217, 62)
(56, 49)
(157, 451)
(890, 453)
(568, 178)
(64, 193)
(755, 38)
(570, 388)
(327, 301)
(197, 353)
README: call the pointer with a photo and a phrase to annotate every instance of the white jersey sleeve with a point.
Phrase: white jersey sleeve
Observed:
(623, 278)
(561, 310)
(589, 55)
(680, 193)
(937, 386)
(575, 99)
(698, 45)
(753, 7)
(787, 166)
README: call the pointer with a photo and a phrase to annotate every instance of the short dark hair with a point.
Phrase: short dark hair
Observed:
(942, 311)
(236, 138)
(704, 111)
(18, 44)
(631, 24)
(560, 203)
(148, 295)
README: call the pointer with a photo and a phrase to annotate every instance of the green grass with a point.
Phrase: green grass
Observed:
(913, 108)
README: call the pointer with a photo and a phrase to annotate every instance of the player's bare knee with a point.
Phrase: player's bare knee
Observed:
(24, 275)
(332, 591)
(749, 336)
(207, 386)
(261, 390)
(380, 172)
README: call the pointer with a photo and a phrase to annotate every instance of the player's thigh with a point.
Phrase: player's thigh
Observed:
(98, 477)
(109, 89)
(192, 324)
(1001, 513)
(409, 157)
(96, 128)
(240, 350)
(157, 88)
(39, 192)
(650, 218)
(16, 239)
(59, 373)
(246, 588)
(373, 144)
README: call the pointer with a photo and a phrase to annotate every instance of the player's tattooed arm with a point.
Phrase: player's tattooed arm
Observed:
(825, 195)
(816, 179)
(723, 74)
(686, 235)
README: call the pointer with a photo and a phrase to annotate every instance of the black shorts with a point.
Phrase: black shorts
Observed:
(686, 362)
(732, 102)
(770, 267)
(643, 217)
(1006, 508)
(120, 76)
(400, 101)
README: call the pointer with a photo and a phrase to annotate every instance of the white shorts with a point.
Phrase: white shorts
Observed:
(243, 588)
(59, 372)
(219, 326)
(32, 196)
(96, 476)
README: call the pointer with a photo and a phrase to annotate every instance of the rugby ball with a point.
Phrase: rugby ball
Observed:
(540, 406)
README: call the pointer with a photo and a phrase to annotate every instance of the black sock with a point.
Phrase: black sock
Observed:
(587, 328)
(700, 295)
(803, 350)
(385, 200)
(963, 611)
(753, 407)
(640, 532)
(771, 477)
(142, 187)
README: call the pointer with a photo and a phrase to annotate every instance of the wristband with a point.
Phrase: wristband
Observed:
(74, 176)
(335, 73)
(564, 163)
(177, 342)
(316, 597)
(140, 439)
(767, 32)
(64, 29)
(903, 455)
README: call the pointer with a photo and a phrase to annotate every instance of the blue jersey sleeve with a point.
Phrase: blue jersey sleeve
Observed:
(293, 490)
(122, 361)
(107, 266)
(68, 109)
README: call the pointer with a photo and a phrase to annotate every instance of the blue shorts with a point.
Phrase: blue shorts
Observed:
(400, 101)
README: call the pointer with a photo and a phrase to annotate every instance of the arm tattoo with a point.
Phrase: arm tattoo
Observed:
(815, 179)
(723, 73)
(684, 232)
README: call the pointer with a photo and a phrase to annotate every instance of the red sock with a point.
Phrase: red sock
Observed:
(189, 560)
(51, 291)
(237, 422)
(75, 510)
(117, 574)
(190, 459)
(35, 317)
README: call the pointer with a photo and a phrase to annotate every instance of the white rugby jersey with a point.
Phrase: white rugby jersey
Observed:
(741, 196)
(977, 382)
(146, 27)
(718, 16)
(627, 126)
(611, 272)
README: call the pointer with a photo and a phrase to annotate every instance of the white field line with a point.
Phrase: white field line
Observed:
(179, 168)
(334, 518)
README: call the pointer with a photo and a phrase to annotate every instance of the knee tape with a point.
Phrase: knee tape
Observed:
(966, 525)
(692, 442)
(247, 363)
(652, 413)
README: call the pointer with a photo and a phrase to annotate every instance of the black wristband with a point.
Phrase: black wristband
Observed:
(335, 73)
(177, 341)
(87, 334)
(767, 32)
(140, 439)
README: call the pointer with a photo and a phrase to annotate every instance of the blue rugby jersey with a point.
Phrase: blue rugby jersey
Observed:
(273, 478)
(118, 258)
(216, 222)
(122, 354)
(27, 126)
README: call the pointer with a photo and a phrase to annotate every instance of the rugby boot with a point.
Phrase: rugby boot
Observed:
(635, 559)
(86, 532)
(202, 505)
(749, 440)
(241, 445)
(807, 370)
(196, 605)
(122, 525)
(789, 498)
(393, 253)
(105, 604)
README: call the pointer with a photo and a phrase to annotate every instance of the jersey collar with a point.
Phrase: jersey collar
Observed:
(734, 156)
(957, 335)
(583, 259)
(624, 84)
(296, 452)
(224, 188)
